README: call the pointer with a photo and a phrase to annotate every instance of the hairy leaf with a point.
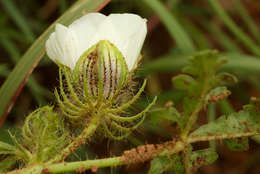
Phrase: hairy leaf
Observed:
(217, 94)
(171, 163)
(202, 157)
(170, 114)
(242, 124)
(237, 144)
(199, 79)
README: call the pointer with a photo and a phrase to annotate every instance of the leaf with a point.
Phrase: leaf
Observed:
(237, 144)
(236, 62)
(185, 82)
(164, 113)
(203, 157)
(217, 94)
(183, 41)
(171, 163)
(199, 78)
(31, 58)
(236, 30)
(242, 124)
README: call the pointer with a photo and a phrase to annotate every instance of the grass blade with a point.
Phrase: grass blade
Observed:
(183, 41)
(18, 19)
(247, 19)
(245, 39)
(237, 62)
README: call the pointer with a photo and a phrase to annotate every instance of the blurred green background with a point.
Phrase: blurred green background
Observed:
(176, 30)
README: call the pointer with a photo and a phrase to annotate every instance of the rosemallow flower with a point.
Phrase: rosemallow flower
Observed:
(125, 31)
(97, 55)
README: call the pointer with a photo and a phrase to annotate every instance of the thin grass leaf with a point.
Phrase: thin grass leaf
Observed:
(37, 90)
(221, 37)
(242, 11)
(18, 18)
(17, 78)
(176, 31)
(4, 71)
(245, 39)
(236, 63)
(63, 6)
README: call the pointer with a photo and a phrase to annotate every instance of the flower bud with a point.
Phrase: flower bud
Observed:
(102, 70)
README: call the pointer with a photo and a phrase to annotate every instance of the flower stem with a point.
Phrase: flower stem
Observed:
(83, 165)
(80, 140)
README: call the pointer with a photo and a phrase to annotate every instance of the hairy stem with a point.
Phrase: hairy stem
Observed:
(80, 140)
(141, 155)
(80, 166)
(194, 139)
(194, 115)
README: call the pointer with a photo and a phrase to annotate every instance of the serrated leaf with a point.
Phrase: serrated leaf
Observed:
(237, 144)
(217, 94)
(184, 82)
(162, 164)
(202, 77)
(170, 114)
(202, 157)
(225, 77)
(241, 124)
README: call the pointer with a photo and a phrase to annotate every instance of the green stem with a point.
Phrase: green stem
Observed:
(194, 139)
(194, 115)
(234, 28)
(81, 139)
(182, 39)
(84, 165)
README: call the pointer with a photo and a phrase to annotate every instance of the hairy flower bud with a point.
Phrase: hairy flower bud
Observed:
(102, 70)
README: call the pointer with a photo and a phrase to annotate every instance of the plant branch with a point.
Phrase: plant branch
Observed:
(194, 115)
(197, 138)
(136, 155)
(80, 140)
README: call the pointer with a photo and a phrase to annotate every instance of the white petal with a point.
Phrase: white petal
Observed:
(62, 46)
(85, 28)
(127, 32)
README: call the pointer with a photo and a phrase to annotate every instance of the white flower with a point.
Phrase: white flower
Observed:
(126, 31)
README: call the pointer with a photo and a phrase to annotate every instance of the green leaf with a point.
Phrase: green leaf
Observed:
(236, 62)
(237, 144)
(217, 94)
(170, 114)
(162, 164)
(30, 59)
(18, 18)
(242, 36)
(242, 124)
(199, 78)
(178, 33)
(203, 157)
(185, 82)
